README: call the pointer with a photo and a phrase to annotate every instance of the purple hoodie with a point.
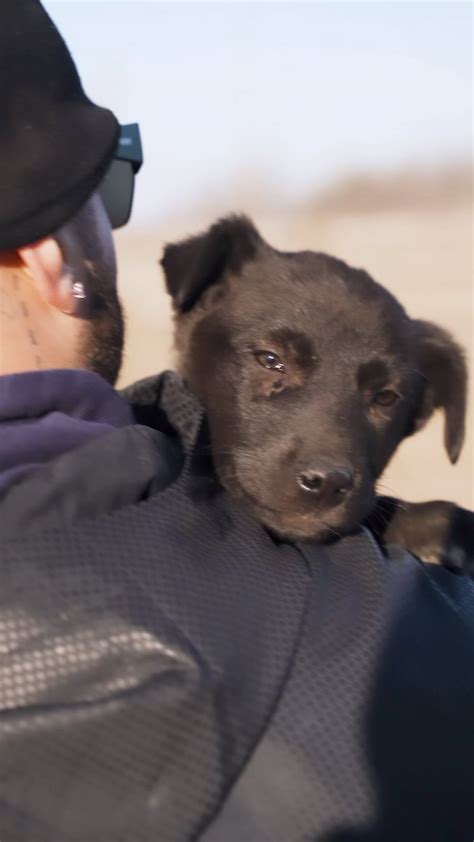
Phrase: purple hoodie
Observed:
(46, 413)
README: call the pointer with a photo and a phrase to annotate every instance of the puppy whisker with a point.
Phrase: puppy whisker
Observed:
(331, 529)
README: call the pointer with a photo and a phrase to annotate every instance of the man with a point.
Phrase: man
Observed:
(167, 670)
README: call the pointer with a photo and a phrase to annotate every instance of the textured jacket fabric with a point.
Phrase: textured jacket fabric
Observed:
(168, 671)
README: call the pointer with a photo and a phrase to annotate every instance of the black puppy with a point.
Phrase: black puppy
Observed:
(311, 374)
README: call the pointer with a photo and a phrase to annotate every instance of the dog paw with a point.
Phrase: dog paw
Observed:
(458, 552)
(437, 532)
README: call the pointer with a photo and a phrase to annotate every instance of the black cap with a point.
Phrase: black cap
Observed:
(55, 144)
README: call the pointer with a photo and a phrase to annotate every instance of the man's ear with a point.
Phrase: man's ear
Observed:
(195, 264)
(442, 365)
(44, 264)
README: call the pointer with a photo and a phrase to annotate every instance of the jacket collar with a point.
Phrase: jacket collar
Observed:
(81, 394)
(44, 414)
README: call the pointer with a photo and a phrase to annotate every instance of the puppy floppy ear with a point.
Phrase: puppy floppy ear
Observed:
(442, 365)
(195, 264)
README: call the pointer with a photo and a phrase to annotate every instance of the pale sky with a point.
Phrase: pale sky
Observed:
(274, 98)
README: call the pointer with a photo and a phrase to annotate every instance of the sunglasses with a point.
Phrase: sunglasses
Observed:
(118, 185)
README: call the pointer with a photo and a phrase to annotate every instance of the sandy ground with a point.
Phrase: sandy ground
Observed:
(423, 256)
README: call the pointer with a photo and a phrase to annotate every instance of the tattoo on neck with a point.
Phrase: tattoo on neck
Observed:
(35, 346)
(8, 307)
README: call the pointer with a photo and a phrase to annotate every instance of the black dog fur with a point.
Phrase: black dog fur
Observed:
(311, 374)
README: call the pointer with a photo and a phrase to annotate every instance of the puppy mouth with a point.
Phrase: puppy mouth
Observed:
(300, 526)
(288, 521)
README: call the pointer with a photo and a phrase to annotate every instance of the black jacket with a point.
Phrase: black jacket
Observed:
(170, 672)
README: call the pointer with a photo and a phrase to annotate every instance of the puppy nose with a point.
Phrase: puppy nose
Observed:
(329, 485)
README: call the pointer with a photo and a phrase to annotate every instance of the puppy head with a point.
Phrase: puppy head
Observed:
(310, 373)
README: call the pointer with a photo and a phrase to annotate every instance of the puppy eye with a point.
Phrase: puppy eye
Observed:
(386, 397)
(269, 360)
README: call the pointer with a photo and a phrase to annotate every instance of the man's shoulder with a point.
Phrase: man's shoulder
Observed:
(246, 661)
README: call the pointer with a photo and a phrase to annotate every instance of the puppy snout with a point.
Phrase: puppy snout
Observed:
(330, 486)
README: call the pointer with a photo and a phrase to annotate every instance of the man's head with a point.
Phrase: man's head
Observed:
(58, 298)
(59, 306)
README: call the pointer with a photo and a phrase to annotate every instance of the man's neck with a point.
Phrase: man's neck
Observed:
(31, 337)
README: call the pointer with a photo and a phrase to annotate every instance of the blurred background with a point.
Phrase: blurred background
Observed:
(343, 127)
